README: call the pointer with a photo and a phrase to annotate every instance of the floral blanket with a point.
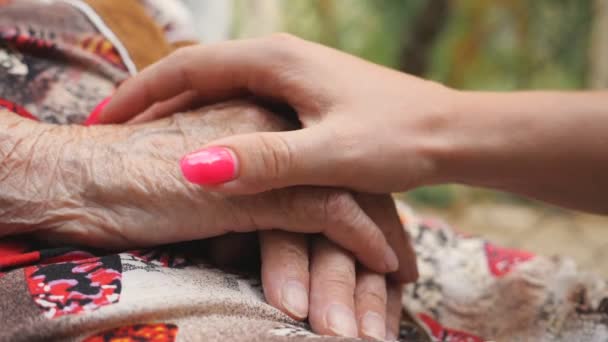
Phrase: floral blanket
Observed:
(60, 58)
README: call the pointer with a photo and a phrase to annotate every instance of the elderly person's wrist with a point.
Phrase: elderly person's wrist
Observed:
(40, 173)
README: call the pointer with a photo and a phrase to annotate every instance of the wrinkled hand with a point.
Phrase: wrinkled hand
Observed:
(345, 299)
(338, 296)
(120, 187)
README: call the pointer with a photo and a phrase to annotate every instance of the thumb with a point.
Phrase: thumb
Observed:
(257, 162)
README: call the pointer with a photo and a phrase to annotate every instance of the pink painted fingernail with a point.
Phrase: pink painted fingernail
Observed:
(209, 166)
(93, 118)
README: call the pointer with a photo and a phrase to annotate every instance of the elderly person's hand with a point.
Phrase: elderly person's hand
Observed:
(338, 296)
(120, 186)
(345, 299)
(309, 276)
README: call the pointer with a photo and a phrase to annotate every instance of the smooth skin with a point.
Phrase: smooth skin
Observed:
(372, 129)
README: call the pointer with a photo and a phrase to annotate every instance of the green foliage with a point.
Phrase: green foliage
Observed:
(499, 44)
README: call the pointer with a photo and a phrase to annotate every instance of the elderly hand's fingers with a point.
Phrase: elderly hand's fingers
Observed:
(394, 309)
(370, 299)
(381, 209)
(331, 212)
(332, 290)
(216, 71)
(285, 271)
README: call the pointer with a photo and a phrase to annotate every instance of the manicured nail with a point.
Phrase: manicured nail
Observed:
(390, 258)
(209, 166)
(295, 299)
(372, 325)
(93, 118)
(341, 320)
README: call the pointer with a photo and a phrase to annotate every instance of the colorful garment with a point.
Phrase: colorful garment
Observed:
(59, 59)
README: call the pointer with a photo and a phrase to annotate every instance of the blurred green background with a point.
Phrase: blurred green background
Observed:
(470, 44)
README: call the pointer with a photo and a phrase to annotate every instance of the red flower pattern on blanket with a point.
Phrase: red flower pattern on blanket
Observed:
(445, 334)
(75, 286)
(159, 332)
(502, 260)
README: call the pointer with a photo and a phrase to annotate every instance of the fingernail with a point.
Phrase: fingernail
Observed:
(390, 258)
(213, 165)
(341, 320)
(295, 299)
(372, 325)
(93, 118)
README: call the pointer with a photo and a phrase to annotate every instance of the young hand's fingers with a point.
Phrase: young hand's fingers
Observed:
(332, 212)
(216, 71)
(381, 209)
(332, 290)
(394, 309)
(370, 299)
(285, 271)
(178, 104)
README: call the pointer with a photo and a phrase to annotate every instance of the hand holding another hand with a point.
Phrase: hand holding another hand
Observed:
(365, 127)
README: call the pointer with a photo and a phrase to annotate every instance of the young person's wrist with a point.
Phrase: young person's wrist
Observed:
(439, 139)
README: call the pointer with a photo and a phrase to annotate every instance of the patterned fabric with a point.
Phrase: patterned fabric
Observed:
(159, 332)
(69, 287)
(57, 62)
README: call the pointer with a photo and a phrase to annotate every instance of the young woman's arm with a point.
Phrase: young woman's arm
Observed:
(552, 146)
(377, 130)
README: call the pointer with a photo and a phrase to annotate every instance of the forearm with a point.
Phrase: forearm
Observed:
(30, 184)
(53, 174)
(552, 146)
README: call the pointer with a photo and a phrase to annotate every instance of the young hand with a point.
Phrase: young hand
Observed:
(365, 127)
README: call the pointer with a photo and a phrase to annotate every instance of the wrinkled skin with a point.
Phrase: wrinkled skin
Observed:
(120, 187)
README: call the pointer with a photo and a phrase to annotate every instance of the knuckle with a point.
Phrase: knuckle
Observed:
(276, 157)
(371, 298)
(340, 207)
(372, 295)
(182, 53)
(339, 278)
(291, 254)
(282, 47)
